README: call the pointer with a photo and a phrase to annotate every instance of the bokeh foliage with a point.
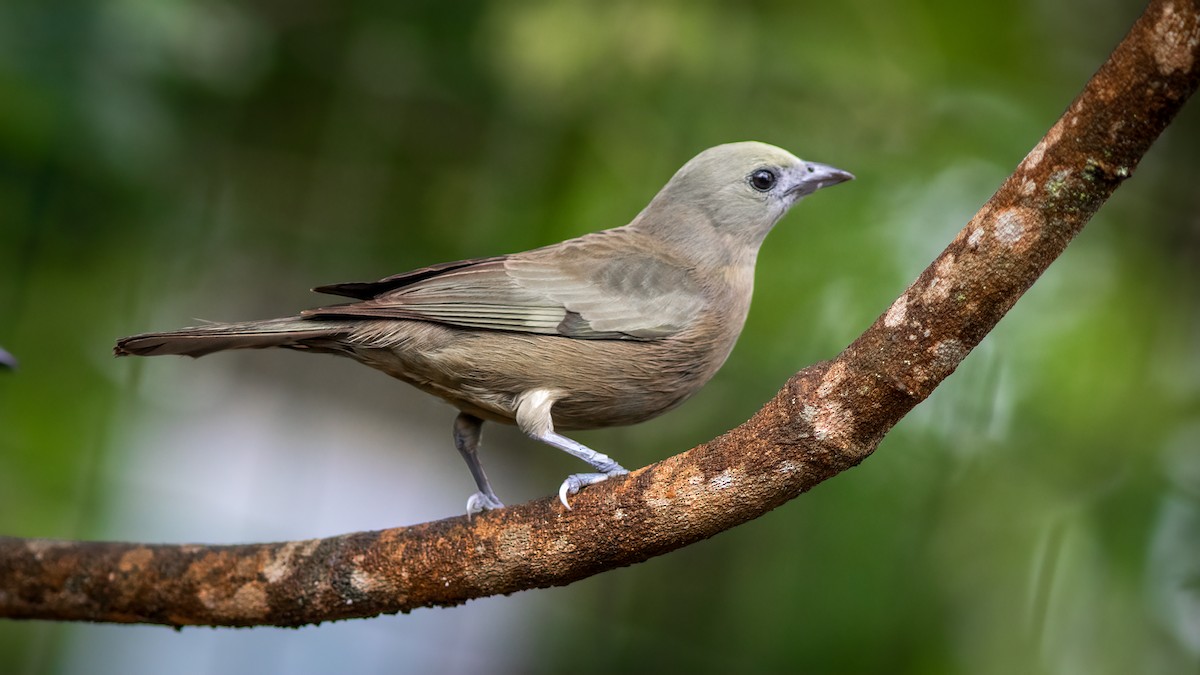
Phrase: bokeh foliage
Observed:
(166, 160)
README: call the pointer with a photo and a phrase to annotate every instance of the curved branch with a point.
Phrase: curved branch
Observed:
(826, 419)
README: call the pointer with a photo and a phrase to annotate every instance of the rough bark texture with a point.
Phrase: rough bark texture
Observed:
(826, 419)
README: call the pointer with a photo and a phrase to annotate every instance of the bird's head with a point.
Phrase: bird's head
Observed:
(738, 190)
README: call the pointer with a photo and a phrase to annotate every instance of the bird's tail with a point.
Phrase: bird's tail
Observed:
(201, 340)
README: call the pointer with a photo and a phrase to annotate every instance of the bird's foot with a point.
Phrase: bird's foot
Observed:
(576, 482)
(480, 502)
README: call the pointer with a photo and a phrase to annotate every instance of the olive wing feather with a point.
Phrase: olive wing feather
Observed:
(600, 286)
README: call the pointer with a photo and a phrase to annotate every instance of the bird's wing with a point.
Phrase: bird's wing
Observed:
(600, 286)
(613, 282)
(365, 290)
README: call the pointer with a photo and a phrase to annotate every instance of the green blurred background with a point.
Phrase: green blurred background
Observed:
(163, 161)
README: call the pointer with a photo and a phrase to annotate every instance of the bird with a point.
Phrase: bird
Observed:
(607, 329)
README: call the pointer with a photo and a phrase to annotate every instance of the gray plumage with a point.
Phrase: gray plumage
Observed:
(611, 328)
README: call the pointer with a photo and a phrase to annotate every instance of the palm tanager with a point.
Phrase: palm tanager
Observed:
(611, 328)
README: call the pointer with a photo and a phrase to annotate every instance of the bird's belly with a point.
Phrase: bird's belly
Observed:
(602, 382)
(580, 411)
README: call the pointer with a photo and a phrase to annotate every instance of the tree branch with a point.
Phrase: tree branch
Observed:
(826, 419)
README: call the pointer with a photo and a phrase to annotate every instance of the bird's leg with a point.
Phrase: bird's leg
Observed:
(577, 481)
(533, 418)
(467, 431)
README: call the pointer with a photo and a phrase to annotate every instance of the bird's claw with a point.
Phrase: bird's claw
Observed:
(480, 502)
(577, 481)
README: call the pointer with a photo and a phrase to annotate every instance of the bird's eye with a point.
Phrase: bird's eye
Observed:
(762, 180)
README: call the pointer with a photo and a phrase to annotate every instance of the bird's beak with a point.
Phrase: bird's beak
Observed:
(815, 176)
